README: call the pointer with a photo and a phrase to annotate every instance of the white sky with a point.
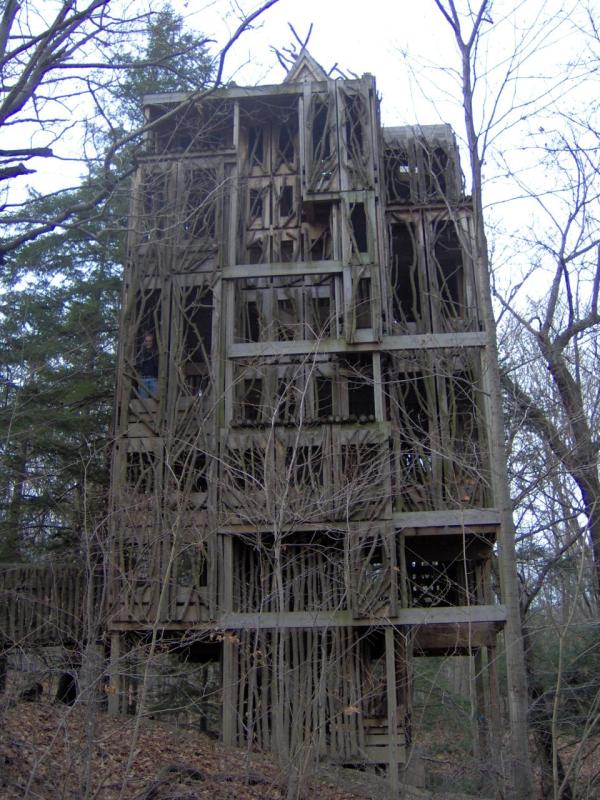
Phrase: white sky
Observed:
(409, 48)
(360, 37)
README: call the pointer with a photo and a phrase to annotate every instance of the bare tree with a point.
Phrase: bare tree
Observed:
(556, 396)
(560, 411)
(56, 63)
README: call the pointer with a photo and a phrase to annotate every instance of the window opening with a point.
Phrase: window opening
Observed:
(198, 329)
(359, 381)
(363, 303)
(200, 210)
(287, 320)
(248, 469)
(192, 570)
(397, 175)
(252, 400)
(320, 130)
(286, 401)
(148, 315)
(286, 201)
(448, 256)
(197, 337)
(256, 148)
(140, 472)
(287, 250)
(285, 143)
(146, 352)
(190, 472)
(324, 398)
(321, 313)
(256, 211)
(154, 202)
(251, 322)
(358, 222)
(374, 685)
(320, 246)
(307, 464)
(317, 217)
(406, 296)
(257, 251)
(354, 126)
(438, 164)
(361, 466)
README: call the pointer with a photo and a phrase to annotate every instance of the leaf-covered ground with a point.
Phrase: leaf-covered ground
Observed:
(44, 756)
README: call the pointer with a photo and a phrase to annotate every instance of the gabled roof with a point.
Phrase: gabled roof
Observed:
(305, 69)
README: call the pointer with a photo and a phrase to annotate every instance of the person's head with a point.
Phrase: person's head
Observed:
(149, 341)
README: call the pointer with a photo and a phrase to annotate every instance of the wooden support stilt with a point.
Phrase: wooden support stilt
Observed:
(229, 693)
(482, 723)
(115, 686)
(392, 710)
(494, 713)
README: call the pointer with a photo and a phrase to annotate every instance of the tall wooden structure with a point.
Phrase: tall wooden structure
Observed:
(307, 484)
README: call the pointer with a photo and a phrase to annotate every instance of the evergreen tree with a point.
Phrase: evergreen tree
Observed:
(58, 328)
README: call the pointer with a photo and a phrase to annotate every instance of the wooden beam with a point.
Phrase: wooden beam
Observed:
(332, 619)
(469, 616)
(392, 709)
(432, 523)
(447, 519)
(115, 678)
(420, 341)
(307, 268)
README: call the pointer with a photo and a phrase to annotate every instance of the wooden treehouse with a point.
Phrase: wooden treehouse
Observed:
(301, 472)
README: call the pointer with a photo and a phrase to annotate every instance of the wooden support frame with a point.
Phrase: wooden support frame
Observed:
(300, 437)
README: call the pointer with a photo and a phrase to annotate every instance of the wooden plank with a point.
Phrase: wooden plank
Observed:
(447, 519)
(324, 619)
(433, 523)
(229, 693)
(116, 681)
(392, 709)
(282, 269)
(423, 341)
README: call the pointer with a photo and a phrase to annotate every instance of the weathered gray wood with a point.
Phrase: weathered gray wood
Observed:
(471, 517)
(316, 520)
(282, 269)
(426, 341)
(392, 708)
(424, 523)
(115, 687)
(409, 616)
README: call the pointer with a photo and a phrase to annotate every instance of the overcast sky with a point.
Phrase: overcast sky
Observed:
(358, 36)
(409, 48)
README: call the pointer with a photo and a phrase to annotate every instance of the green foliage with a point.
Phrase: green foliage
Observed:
(566, 672)
(57, 355)
(155, 70)
(59, 303)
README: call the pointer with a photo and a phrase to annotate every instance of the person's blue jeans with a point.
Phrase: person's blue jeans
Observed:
(148, 387)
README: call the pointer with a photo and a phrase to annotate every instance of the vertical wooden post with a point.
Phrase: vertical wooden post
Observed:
(229, 693)
(403, 570)
(3, 667)
(495, 721)
(392, 710)
(482, 724)
(115, 677)
(227, 585)
(229, 651)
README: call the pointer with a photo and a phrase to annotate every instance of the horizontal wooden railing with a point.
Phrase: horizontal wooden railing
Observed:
(42, 604)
